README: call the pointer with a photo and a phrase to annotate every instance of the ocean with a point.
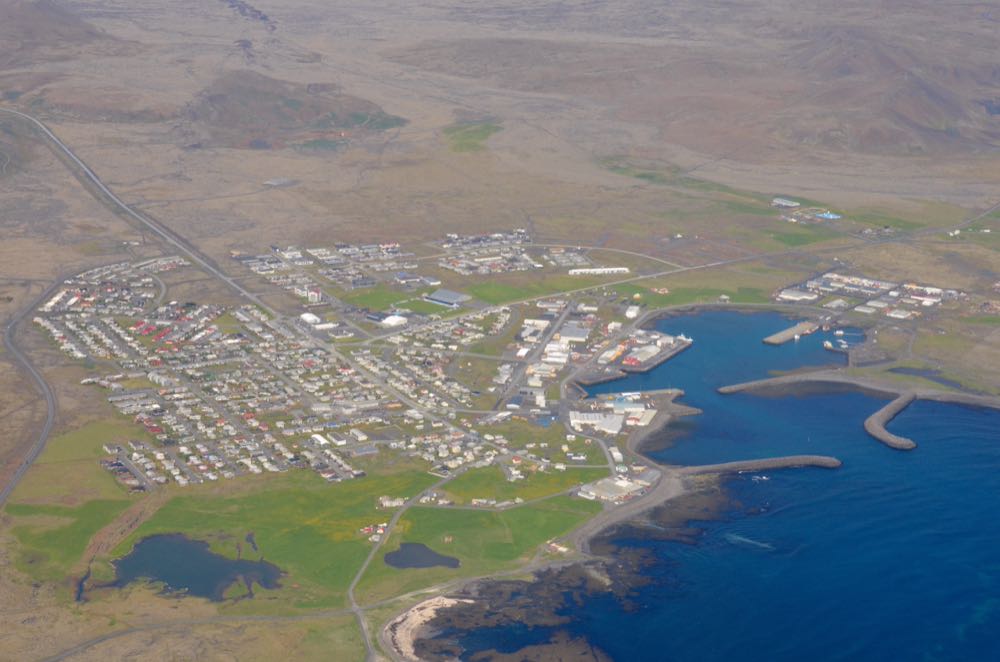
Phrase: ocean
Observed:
(896, 555)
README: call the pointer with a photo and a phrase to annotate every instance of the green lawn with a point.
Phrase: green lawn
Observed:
(68, 472)
(427, 308)
(993, 320)
(379, 297)
(802, 235)
(483, 541)
(494, 292)
(470, 137)
(684, 295)
(304, 525)
(490, 482)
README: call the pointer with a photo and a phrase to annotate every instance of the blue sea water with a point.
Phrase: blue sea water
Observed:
(896, 555)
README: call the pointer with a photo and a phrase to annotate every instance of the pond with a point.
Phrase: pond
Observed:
(188, 566)
(418, 555)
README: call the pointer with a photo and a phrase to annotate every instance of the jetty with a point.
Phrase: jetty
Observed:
(786, 462)
(800, 329)
(875, 424)
(680, 344)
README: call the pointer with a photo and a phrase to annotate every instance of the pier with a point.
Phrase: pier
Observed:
(659, 359)
(787, 462)
(800, 329)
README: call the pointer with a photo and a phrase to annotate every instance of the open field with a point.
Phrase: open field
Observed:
(304, 525)
(68, 473)
(483, 541)
(470, 137)
(382, 297)
(490, 483)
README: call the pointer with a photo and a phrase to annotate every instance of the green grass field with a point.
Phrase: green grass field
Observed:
(307, 527)
(802, 235)
(537, 285)
(990, 320)
(53, 538)
(684, 295)
(470, 137)
(490, 482)
(483, 541)
(379, 297)
(68, 472)
(427, 308)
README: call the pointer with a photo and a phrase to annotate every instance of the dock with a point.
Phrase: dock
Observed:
(659, 359)
(800, 329)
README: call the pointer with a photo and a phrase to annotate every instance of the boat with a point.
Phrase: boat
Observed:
(827, 344)
(838, 332)
(797, 336)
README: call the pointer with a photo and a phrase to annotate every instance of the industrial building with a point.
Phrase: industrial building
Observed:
(447, 298)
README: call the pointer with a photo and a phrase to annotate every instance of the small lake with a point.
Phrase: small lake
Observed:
(189, 566)
(419, 555)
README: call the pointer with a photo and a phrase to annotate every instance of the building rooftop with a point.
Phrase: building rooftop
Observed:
(448, 297)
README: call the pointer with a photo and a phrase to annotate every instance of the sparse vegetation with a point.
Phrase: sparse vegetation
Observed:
(470, 137)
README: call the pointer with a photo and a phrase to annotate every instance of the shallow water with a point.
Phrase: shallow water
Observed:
(896, 555)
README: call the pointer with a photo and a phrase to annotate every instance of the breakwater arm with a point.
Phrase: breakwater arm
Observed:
(875, 424)
(787, 462)
(817, 377)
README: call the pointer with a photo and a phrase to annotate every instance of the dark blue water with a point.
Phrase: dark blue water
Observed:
(894, 556)
(418, 555)
(187, 565)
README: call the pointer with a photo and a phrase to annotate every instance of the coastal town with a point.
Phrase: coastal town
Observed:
(382, 361)
(224, 392)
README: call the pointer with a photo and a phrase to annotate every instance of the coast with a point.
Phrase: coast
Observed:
(402, 632)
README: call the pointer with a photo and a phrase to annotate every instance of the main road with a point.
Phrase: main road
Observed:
(9, 333)
(187, 249)
(117, 204)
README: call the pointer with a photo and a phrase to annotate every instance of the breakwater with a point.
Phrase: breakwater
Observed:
(787, 462)
(875, 424)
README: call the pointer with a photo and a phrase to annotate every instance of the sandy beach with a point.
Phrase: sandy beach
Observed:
(402, 631)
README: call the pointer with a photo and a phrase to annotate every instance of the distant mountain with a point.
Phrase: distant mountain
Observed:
(36, 31)
(245, 109)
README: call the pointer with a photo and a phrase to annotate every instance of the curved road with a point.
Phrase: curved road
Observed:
(116, 203)
(22, 361)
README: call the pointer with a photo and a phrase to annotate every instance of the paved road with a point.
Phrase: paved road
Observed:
(10, 343)
(163, 232)
(355, 607)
